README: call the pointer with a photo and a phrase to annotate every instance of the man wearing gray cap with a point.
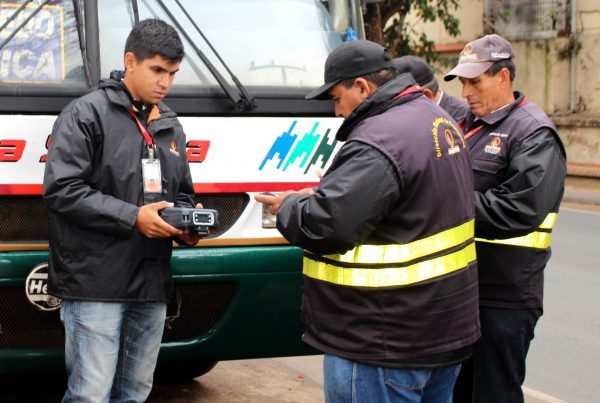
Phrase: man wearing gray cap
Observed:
(425, 77)
(390, 279)
(519, 167)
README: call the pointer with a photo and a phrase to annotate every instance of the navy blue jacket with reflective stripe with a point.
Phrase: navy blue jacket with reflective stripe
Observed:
(397, 179)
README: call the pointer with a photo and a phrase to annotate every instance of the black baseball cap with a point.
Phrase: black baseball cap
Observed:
(479, 55)
(352, 59)
(422, 73)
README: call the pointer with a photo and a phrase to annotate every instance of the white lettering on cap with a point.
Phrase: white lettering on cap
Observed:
(500, 55)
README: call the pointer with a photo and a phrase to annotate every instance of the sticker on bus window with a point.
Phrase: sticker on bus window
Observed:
(36, 53)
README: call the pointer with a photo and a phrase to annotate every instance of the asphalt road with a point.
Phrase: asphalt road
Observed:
(563, 364)
(564, 360)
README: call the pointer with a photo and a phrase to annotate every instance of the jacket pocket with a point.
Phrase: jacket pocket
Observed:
(491, 167)
(73, 243)
(487, 173)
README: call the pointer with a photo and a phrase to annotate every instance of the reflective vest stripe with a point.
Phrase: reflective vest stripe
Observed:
(536, 239)
(549, 221)
(390, 276)
(384, 254)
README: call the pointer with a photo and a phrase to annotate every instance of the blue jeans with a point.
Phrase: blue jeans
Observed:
(111, 349)
(352, 382)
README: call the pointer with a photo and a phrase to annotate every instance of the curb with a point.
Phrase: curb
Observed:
(582, 190)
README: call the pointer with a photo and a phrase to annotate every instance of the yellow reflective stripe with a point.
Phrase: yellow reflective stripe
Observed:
(549, 221)
(394, 276)
(536, 239)
(539, 240)
(382, 254)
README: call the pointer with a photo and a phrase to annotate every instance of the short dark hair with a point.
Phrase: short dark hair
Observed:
(152, 37)
(378, 77)
(499, 65)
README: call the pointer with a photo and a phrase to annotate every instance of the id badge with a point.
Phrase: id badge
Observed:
(152, 176)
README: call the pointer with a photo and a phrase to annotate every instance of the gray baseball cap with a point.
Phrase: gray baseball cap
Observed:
(479, 55)
(352, 59)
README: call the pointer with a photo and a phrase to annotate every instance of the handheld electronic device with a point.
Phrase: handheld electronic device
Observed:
(196, 220)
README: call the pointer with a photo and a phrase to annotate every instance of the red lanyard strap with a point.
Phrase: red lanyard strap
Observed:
(472, 132)
(143, 130)
(409, 90)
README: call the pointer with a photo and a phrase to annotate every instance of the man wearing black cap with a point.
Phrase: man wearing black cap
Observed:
(519, 168)
(390, 279)
(424, 76)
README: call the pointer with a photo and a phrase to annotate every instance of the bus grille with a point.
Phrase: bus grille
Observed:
(199, 307)
(24, 219)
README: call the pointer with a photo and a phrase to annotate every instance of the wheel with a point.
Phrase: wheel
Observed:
(175, 372)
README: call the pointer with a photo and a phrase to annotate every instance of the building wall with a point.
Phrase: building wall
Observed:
(587, 70)
(542, 73)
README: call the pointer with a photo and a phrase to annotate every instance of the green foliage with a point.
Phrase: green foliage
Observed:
(404, 38)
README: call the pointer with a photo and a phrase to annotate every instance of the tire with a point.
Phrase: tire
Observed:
(177, 372)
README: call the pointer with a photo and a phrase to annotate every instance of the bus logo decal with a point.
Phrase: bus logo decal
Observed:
(36, 289)
(301, 149)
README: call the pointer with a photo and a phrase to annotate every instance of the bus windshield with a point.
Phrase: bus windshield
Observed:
(268, 43)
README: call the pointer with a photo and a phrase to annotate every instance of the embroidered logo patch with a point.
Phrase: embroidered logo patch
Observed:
(450, 140)
(173, 148)
(494, 146)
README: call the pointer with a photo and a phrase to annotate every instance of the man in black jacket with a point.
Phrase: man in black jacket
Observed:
(519, 167)
(117, 158)
(390, 279)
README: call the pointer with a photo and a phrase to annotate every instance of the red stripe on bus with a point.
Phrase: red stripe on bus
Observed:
(35, 189)
(20, 189)
(251, 187)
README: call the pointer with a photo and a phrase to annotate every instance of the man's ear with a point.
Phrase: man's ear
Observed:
(428, 93)
(366, 88)
(130, 61)
(504, 76)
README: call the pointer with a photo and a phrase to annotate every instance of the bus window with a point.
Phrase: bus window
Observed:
(257, 39)
(45, 50)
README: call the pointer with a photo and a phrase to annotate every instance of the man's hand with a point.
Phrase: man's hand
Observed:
(149, 223)
(274, 202)
(188, 238)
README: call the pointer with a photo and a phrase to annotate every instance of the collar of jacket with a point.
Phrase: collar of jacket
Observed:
(495, 117)
(117, 94)
(380, 101)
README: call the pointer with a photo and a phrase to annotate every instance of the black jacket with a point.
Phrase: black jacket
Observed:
(93, 189)
(519, 165)
(394, 182)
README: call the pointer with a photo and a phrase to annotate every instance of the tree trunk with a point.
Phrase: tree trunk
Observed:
(373, 28)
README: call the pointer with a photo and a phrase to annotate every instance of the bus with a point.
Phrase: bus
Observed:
(240, 98)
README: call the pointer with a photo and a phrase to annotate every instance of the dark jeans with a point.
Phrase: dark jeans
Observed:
(496, 370)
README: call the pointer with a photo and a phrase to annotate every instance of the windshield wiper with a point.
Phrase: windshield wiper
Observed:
(14, 15)
(247, 98)
(136, 12)
(17, 29)
(240, 104)
(82, 43)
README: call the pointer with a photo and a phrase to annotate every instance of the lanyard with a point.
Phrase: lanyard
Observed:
(472, 132)
(409, 90)
(143, 130)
